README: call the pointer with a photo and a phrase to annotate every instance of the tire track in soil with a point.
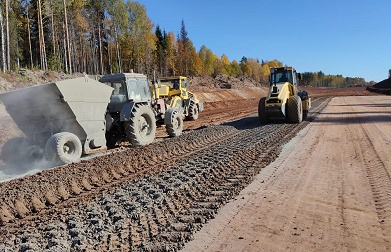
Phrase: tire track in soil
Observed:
(379, 178)
(153, 209)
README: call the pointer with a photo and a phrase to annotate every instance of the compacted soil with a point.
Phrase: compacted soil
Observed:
(227, 184)
(329, 190)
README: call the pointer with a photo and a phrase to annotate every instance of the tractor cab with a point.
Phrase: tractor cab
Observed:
(127, 87)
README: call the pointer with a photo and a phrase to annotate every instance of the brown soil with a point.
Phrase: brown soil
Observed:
(226, 182)
(327, 191)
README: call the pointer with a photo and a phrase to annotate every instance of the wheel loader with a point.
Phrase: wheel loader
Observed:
(63, 120)
(284, 102)
(175, 94)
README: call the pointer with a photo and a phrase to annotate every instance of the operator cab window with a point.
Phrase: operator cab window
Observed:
(284, 76)
(119, 93)
(138, 90)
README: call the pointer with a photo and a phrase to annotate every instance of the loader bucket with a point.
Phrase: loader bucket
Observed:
(76, 105)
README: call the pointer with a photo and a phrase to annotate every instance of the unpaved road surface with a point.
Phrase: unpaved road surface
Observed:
(150, 198)
(159, 197)
(329, 190)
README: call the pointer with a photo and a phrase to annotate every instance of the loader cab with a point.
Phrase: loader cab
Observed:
(176, 86)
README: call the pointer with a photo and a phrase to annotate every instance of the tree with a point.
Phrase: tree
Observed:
(139, 42)
(206, 56)
(67, 37)
(185, 48)
(389, 73)
(117, 25)
(162, 51)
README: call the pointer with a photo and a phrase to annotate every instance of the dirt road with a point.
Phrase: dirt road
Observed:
(329, 190)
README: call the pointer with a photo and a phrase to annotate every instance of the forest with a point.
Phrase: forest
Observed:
(110, 36)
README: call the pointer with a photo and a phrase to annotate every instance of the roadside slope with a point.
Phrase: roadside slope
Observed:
(329, 190)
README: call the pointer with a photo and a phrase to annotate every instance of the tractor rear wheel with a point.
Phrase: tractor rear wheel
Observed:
(64, 147)
(141, 128)
(175, 128)
(295, 109)
(263, 118)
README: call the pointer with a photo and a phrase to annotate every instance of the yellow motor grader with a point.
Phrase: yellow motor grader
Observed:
(284, 101)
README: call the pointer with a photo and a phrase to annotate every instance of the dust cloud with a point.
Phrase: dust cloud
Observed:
(34, 111)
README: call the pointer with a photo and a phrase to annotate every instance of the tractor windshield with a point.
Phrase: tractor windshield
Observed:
(138, 89)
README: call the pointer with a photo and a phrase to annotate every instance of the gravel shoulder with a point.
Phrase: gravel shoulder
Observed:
(329, 190)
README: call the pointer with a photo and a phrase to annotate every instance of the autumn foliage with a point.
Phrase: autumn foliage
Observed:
(110, 36)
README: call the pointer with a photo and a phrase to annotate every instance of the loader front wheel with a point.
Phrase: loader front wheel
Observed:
(295, 109)
(193, 112)
(263, 118)
(63, 148)
(175, 128)
(141, 128)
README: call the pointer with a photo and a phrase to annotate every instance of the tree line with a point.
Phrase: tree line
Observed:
(110, 36)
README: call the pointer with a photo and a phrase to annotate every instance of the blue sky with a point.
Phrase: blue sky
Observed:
(351, 38)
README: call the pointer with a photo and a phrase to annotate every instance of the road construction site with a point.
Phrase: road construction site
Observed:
(226, 184)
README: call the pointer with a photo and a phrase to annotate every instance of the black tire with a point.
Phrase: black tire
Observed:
(263, 118)
(64, 147)
(141, 128)
(12, 149)
(295, 109)
(193, 112)
(176, 127)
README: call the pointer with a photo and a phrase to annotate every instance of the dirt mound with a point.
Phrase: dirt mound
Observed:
(383, 84)
(221, 81)
(383, 87)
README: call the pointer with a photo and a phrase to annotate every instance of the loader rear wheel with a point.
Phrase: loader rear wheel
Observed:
(175, 128)
(64, 147)
(193, 112)
(263, 118)
(141, 128)
(295, 109)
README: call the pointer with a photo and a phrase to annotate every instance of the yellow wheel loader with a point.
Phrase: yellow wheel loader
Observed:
(284, 101)
(175, 94)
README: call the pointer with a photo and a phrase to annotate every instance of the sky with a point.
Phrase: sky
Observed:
(351, 38)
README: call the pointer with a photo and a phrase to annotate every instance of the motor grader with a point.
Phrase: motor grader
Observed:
(284, 102)
(175, 94)
(63, 120)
